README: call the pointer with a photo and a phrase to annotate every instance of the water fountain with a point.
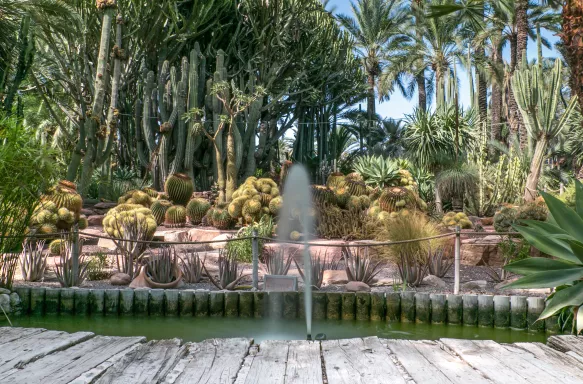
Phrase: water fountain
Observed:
(298, 204)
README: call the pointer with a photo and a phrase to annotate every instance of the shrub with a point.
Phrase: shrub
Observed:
(97, 267)
(413, 226)
(243, 249)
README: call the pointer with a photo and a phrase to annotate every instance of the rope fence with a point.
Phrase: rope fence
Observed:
(255, 245)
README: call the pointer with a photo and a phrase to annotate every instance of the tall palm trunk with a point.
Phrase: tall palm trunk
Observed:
(496, 100)
(422, 91)
(521, 44)
(420, 78)
(482, 88)
(572, 38)
(370, 98)
(514, 117)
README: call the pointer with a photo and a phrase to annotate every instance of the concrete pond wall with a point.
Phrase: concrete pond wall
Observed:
(517, 312)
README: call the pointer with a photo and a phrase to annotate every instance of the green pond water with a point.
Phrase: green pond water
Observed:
(197, 329)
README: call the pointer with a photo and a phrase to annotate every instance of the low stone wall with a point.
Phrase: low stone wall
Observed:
(10, 303)
(518, 312)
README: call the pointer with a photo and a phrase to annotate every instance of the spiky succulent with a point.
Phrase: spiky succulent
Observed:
(175, 216)
(150, 192)
(323, 194)
(196, 209)
(159, 208)
(335, 179)
(65, 197)
(136, 197)
(396, 198)
(179, 188)
(139, 218)
(220, 218)
(56, 247)
(253, 199)
(354, 186)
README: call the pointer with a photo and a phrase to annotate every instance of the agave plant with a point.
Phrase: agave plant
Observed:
(561, 237)
(439, 264)
(411, 270)
(192, 267)
(275, 262)
(318, 266)
(359, 266)
(377, 171)
(33, 262)
(229, 275)
(69, 274)
(162, 267)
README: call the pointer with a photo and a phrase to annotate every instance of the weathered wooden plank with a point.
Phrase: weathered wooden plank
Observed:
(9, 334)
(214, 361)
(359, 361)
(525, 364)
(64, 366)
(304, 365)
(426, 362)
(567, 343)
(148, 363)
(480, 359)
(564, 361)
(28, 349)
(91, 375)
(267, 366)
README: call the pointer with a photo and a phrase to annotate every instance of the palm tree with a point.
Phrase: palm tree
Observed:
(430, 140)
(378, 28)
(573, 45)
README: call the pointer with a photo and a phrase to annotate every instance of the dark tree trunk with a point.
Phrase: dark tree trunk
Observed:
(572, 38)
(482, 88)
(422, 92)
(496, 99)
(370, 99)
(514, 117)
(521, 43)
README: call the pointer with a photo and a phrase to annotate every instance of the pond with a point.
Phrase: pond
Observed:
(200, 328)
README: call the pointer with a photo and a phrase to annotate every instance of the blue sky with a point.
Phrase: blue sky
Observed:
(397, 107)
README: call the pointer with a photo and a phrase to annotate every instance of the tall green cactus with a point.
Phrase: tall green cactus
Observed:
(25, 57)
(537, 100)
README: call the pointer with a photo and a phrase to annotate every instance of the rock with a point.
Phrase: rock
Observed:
(221, 245)
(5, 302)
(4, 291)
(434, 281)
(476, 285)
(105, 205)
(95, 220)
(487, 220)
(177, 236)
(14, 299)
(120, 279)
(87, 212)
(107, 244)
(334, 277)
(388, 282)
(357, 286)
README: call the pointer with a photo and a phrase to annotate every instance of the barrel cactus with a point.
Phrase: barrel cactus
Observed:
(196, 209)
(220, 218)
(136, 197)
(452, 219)
(65, 195)
(335, 179)
(175, 216)
(397, 198)
(253, 199)
(179, 188)
(322, 194)
(354, 186)
(56, 247)
(130, 217)
(159, 208)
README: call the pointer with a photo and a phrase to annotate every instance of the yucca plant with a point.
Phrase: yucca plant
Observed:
(275, 262)
(318, 267)
(359, 265)
(33, 262)
(377, 171)
(229, 275)
(192, 267)
(561, 237)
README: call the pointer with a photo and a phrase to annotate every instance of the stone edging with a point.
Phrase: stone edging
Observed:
(518, 312)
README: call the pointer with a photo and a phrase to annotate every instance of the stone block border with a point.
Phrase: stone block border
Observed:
(517, 312)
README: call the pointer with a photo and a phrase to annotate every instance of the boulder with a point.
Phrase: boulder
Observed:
(487, 221)
(357, 286)
(180, 235)
(334, 277)
(480, 251)
(221, 238)
(387, 282)
(5, 302)
(120, 279)
(95, 220)
(105, 205)
(87, 212)
(475, 285)
(4, 291)
(434, 281)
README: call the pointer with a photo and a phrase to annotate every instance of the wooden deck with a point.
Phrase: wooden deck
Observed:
(41, 356)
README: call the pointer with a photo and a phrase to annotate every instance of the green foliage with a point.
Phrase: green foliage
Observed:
(97, 267)
(242, 249)
(26, 170)
(377, 171)
(562, 238)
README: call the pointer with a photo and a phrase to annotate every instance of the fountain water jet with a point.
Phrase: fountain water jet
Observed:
(297, 203)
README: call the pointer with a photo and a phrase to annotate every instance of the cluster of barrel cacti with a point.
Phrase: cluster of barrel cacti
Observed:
(253, 199)
(130, 217)
(144, 197)
(453, 219)
(58, 210)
